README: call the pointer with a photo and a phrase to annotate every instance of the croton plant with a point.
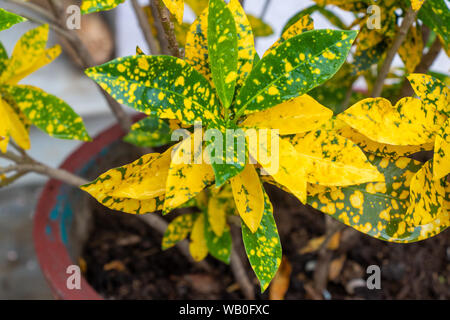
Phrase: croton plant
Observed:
(357, 164)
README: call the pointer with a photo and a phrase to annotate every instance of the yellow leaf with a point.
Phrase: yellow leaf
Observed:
(249, 197)
(417, 4)
(185, 179)
(29, 55)
(305, 23)
(217, 213)
(259, 27)
(197, 5)
(298, 115)
(197, 246)
(280, 283)
(411, 49)
(333, 160)
(408, 123)
(177, 230)
(441, 165)
(11, 125)
(104, 187)
(431, 91)
(315, 243)
(176, 7)
(426, 197)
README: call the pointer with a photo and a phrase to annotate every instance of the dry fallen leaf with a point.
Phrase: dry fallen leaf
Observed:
(280, 282)
(114, 265)
(315, 243)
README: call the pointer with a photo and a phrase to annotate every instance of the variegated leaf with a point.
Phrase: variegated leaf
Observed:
(178, 230)
(47, 112)
(298, 115)
(151, 132)
(263, 247)
(222, 50)
(441, 164)
(89, 6)
(248, 195)
(136, 188)
(196, 51)
(176, 7)
(12, 125)
(198, 246)
(431, 91)
(217, 212)
(162, 86)
(29, 55)
(411, 49)
(293, 68)
(333, 160)
(435, 14)
(3, 58)
(410, 122)
(8, 19)
(218, 246)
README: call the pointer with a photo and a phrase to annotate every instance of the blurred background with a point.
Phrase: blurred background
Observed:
(20, 277)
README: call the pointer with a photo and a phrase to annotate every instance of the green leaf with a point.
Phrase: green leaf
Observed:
(89, 6)
(376, 209)
(160, 86)
(222, 50)
(334, 19)
(218, 247)
(435, 14)
(178, 230)
(8, 19)
(151, 132)
(295, 67)
(47, 112)
(366, 58)
(3, 58)
(263, 247)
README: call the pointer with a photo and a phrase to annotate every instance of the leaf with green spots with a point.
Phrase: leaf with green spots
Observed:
(8, 19)
(436, 14)
(178, 230)
(263, 247)
(49, 113)
(259, 27)
(197, 246)
(151, 132)
(136, 188)
(426, 197)
(411, 49)
(222, 50)
(89, 6)
(376, 209)
(441, 164)
(295, 67)
(29, 55)
(365, 58)
(433, 92)
(3, 58)
(196, 51)
(409, 122)
(160, 86)
(218, 247)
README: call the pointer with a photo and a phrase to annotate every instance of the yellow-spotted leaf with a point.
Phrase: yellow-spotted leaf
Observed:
(333, 160)
(151, 132)
(222, 50)
(47, 112)
(381, 149)
(245, 41)
(8, 19)
(3, 58)
(293, 68)
(426, 196)
(417, 4)
(377, 209)
(186, 177)
(218, 246)
(162, 86)
(411, 49)
(12, 125)
(248, 196)
(298, 115)
(431, 91)
(176, 7)
(410, 122)
(178, 230)
(29, 55)
(89, 6)
(136, 188)
(198, 246)
(441, 164)
(263, 247)
(305, 23)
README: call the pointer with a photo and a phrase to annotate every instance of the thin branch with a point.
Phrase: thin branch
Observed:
(401, 35)
(145, 28)
(265, 9)
(169, 29)
(33, 7)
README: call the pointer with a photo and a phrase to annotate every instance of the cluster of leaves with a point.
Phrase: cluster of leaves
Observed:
(25, 105)
(354, 167)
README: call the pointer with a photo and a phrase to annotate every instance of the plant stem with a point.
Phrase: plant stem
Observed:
(401, 35)
(169, 29)
(145, 28)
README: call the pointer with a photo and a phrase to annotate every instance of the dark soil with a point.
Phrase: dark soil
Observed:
(124, 261)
